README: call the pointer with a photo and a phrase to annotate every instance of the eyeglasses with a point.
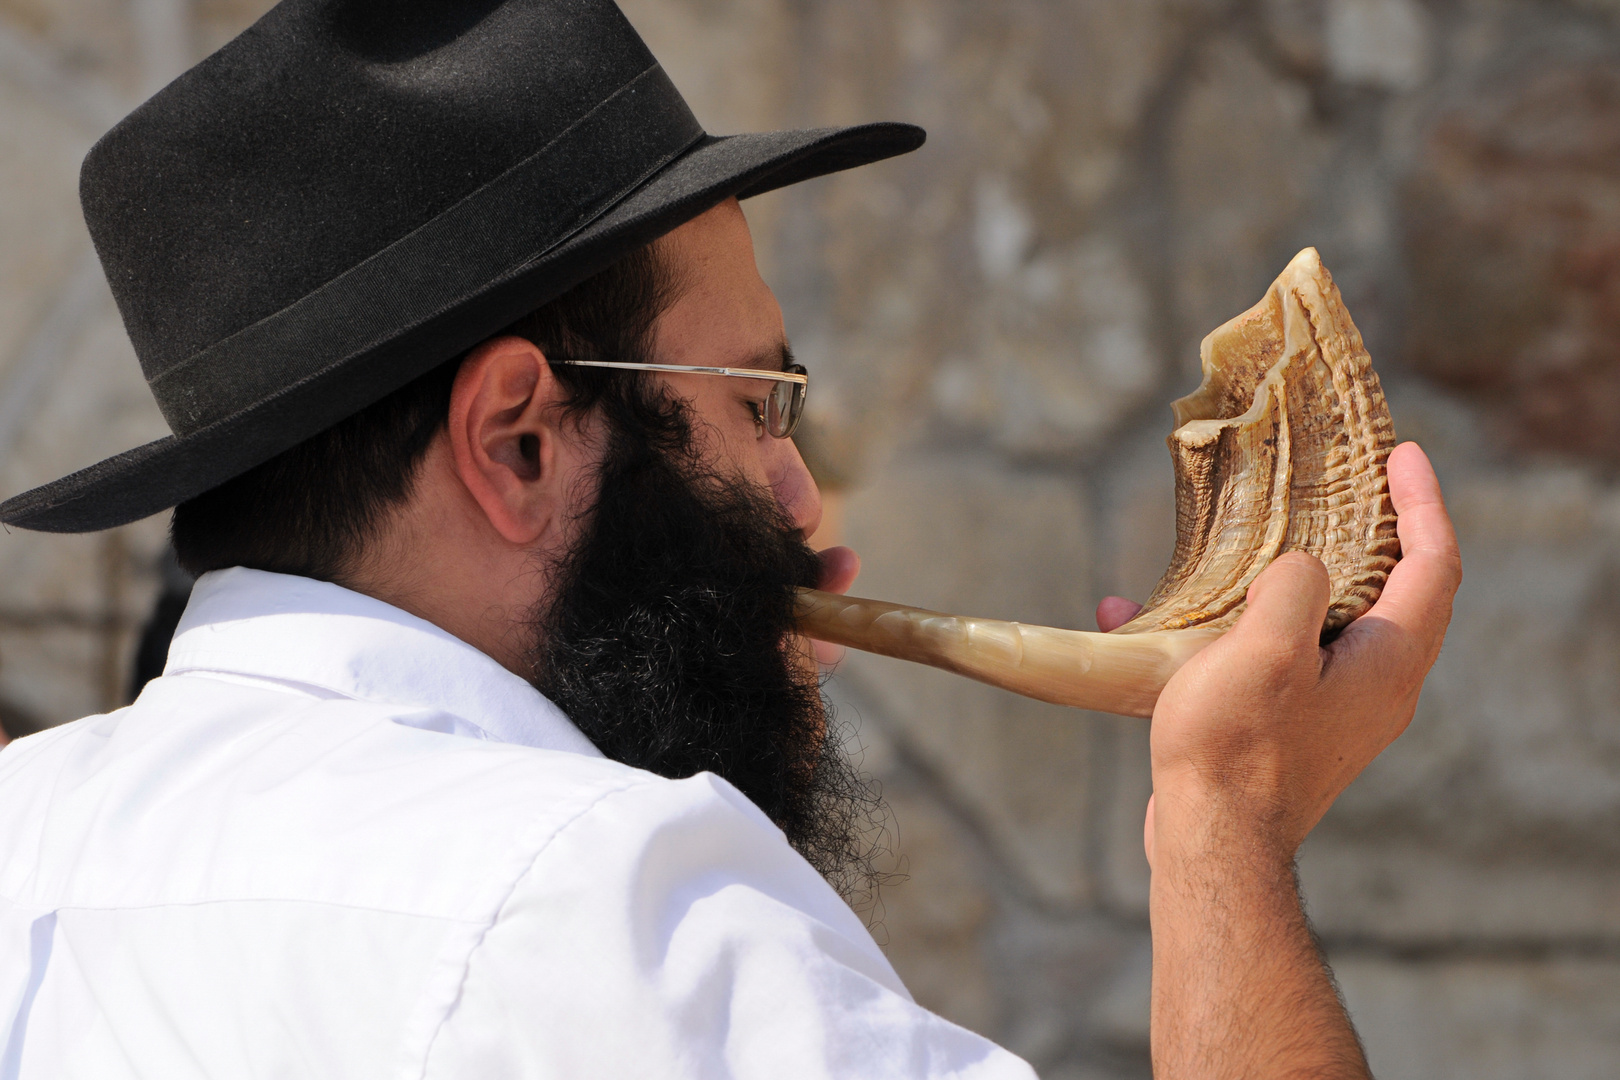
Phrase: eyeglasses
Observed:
(778, 414)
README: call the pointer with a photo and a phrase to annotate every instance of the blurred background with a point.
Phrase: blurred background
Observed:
(996, 325)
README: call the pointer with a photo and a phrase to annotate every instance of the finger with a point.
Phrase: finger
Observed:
(1286, 606)
(1417, 597)
(839, 568)
(1115, 611)
(1420, 508)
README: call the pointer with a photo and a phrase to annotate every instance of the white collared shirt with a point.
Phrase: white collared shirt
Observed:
(335, 841)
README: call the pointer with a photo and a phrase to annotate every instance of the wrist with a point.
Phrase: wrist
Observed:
(1196, 823)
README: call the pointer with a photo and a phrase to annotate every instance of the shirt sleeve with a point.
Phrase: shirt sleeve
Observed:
(671, 931)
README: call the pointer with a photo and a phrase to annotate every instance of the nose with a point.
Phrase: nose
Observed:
(795, 489)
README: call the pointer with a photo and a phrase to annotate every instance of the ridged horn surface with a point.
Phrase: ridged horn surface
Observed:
(1281, 448)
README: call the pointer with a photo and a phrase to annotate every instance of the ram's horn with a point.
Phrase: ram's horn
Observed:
(1281, 448)
(1110, 672)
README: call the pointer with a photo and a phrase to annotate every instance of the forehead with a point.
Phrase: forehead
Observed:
(723, 313)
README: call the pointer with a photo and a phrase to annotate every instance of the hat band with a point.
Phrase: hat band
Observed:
(509, 222)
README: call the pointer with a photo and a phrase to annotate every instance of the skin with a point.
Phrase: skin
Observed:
(1252, 740)
(508, 475)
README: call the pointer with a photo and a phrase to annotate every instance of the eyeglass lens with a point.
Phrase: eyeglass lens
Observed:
(784, 406)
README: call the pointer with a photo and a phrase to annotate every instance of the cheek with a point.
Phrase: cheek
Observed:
(724, 428)
(731, 445)
(730, 440)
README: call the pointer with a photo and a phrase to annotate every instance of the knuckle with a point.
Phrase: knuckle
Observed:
(1439, 572)
(1447, 559)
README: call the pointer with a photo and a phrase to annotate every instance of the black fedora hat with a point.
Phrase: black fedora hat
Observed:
(354, 191)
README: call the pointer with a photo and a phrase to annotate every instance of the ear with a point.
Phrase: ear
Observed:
(504, 433)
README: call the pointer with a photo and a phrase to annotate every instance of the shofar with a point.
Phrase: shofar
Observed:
(1282, 448)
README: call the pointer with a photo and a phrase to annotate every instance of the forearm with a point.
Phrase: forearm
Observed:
(1252, 741)
(1239, 989)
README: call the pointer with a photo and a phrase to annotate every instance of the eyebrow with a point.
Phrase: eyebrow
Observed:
(779, 358)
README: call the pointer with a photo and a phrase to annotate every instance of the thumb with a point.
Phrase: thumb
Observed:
(1287, 604)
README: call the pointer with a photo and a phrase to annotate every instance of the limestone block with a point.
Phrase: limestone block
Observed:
(1064, 351)
(1494, 814)
(1295, 28)
(981, 250)
(1072, 986)
(1512, 233)
(41, 233)
(730, 59)
(954, 533)
(932, 923)
(1611, 8)
(734, 63)
(90, 39)
(71, 605)
(54, 673)
(1485, 1019)
(1125, 774)
(1413, 893)
(1023, 769)
(1121, 1016)
(1024, 79)
(1137, 530)
(957, 530)
(218, 21)
(70, 613)
(1450, 431)
(1138, 519)
(93, 404)
(1245, 153)
(49, 572)
(1378, 43)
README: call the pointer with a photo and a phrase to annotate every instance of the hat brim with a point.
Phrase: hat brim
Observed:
(152, 478)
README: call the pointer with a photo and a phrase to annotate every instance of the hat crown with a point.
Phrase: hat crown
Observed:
(394, 33)
(354, 191)
(323, 134)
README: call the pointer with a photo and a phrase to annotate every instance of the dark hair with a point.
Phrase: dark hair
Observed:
(310, 510)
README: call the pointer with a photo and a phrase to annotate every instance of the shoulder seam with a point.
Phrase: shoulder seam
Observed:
(443, 989)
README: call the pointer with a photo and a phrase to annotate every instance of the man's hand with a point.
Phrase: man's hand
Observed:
(1269, 727)
(1252, 741)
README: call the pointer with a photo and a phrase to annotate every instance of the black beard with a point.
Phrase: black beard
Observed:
(668, 642)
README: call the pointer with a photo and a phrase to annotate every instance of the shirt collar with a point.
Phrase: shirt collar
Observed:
(312, 633)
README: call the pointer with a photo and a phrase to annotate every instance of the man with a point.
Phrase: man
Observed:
(485, 746)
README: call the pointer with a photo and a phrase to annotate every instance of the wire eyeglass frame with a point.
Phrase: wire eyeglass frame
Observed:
(779, 413)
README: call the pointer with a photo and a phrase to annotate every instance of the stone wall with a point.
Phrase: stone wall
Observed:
(996, 325)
